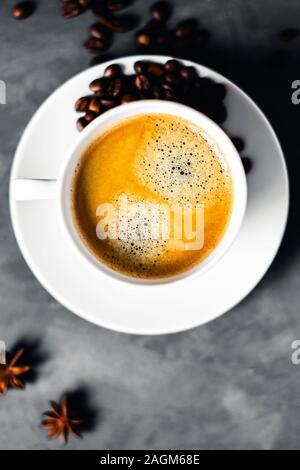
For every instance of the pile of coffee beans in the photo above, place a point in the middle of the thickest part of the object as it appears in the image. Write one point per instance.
(156, 32)
(170, 81)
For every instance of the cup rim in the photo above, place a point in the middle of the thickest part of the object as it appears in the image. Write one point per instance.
(137, 108)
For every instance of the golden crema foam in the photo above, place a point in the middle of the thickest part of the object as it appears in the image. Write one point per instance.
(156, 160)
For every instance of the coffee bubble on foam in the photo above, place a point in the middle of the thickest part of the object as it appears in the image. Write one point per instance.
(179, 165)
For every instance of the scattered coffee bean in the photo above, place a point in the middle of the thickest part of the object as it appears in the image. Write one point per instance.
(99, 86)
(81, 123)
(164, 38)
(95, 45)
(142, 82)
(140, 66)
(84, 3)
(115, 88)
(217, 112)
(155, 69)
(219, 91)
(168, 86)
(23, 10)
(173, 66)
(172, 78)
(94, 105)
(157, 93)
(71, 9)
(188, 73)
(117, 5)
(186, 28)
(90, 116)
(238, 143)
(128, 98)
(161, 11)
(247, 164)
(108, 103)
(143, 39)
(82, 104)
(289, 34)
(99, 31)
(113, 71)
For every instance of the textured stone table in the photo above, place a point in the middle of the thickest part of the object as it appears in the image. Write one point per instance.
(230, 384)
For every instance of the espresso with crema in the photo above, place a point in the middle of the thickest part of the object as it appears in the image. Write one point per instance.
(152, 196)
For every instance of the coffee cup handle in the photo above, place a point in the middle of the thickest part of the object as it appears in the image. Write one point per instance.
(33, 189)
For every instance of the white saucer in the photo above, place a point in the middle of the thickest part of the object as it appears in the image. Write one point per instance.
(155, 309)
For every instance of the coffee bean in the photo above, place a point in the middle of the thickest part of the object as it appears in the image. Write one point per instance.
(155, 69)
(115, 88)
(117, 5)
(140, 66)
(219, 91)
(188, 73)
(108, 103)
(206, 89)
(169, 92)
(99, 31)
(161, 11)
(173, 66)
(143, 39)
(217, 112)
(81, 123)
(142, 82)
(90, 116)
(84, 3)
(71, 9)
(82, 104)
(128, 98)
(120, 24)
(238, 143)
(163, 38)
(23, 10)
(95, 45)
(113, 71)
(94, 105)
(99, 86)
(247, 164)
(185, 28)
(157, 93)
(172, 78)
(168, 86)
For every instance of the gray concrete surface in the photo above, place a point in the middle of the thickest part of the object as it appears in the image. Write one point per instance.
(226, 385)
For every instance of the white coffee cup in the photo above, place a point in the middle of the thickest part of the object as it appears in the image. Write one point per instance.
(60, 189)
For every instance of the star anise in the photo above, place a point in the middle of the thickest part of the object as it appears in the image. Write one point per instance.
(58, 423)
(10, 373)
